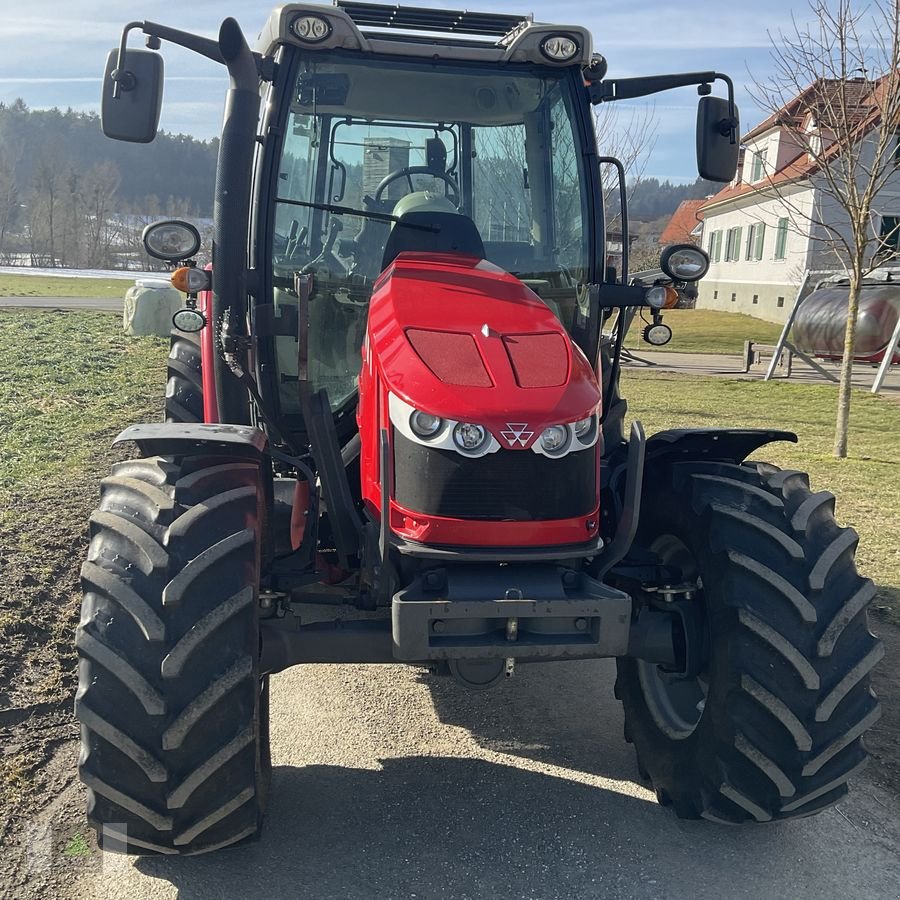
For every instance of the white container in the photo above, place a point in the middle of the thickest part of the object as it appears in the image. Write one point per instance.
(149, 306)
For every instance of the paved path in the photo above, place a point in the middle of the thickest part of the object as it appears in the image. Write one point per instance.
(733, 367)
(392, 784)
(103, 304)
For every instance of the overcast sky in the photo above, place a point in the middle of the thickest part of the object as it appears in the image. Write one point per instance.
(52, 53)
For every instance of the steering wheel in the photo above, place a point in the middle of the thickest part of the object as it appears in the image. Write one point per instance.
(408, 172)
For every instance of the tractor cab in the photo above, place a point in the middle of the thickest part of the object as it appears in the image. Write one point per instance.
(379, 155)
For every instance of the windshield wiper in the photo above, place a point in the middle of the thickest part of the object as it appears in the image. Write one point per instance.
(350, 211)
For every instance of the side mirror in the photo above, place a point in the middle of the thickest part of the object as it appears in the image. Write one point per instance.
(132, 96)
(717, 156)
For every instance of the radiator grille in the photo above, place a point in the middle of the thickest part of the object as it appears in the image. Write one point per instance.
(508, 485)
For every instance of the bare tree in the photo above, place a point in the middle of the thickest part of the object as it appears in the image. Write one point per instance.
(835, 91)
(9, 200)
(629, 135)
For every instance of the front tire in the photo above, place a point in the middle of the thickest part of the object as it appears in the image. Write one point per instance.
(184, 385)
(172, 707)
(771, 728)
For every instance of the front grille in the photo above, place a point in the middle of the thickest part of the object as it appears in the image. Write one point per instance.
(509, 485)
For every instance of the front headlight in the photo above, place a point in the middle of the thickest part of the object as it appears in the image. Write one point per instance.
(425, 425)
(583, 426)
(469, 437)
(555, 439)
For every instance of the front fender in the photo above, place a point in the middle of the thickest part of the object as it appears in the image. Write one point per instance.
(178, 439)
(715, 444)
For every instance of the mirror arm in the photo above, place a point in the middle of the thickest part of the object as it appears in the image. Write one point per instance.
(628, 88)
(208, 47)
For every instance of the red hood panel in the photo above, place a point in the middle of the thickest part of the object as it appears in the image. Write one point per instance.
(538, 360)
(524, 367)
(453, 357)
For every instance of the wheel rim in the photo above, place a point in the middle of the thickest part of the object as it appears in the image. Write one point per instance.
(676, 705)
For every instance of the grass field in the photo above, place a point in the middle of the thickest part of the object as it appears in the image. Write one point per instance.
(71, 381)
(707, 331)
(60, 286)
(866, 484)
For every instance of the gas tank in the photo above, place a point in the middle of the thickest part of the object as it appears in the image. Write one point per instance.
(822, 318)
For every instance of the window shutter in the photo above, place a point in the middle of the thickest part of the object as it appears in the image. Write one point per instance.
(760, 239)
(781, 239)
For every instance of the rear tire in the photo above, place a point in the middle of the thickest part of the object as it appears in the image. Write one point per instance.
(184, 386)
(772, 728)
(172, 707)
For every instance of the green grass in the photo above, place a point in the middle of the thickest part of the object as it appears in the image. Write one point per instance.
(54, 286)
(866, 484)
(69, 380)
(706, 331)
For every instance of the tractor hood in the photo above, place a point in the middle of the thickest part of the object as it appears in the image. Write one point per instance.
(458, 337)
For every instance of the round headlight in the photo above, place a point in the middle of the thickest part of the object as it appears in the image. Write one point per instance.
(656, 297)
(469, 437)
(559, 47)
(583, 426)
(425, 425)
(311, 29)
(171, 240)
(684, 262)
(554, 439)
(189, 320)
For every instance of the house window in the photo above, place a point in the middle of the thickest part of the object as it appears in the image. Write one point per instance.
(733, 244)
(755, 299)
(890, 236)
(718, 246)
(760, 241)
(733, 297)
(756, 237)
(715, 295)
(779, 302)
(758, 165)
(781, 238)
(715, 246)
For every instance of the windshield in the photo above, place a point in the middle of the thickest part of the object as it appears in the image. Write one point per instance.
(386, 138)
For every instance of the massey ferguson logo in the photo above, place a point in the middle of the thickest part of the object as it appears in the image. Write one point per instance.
(517, 433)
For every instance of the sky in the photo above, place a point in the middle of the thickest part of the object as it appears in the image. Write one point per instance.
(52, 53)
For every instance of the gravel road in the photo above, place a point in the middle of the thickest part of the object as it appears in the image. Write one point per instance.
(392, 784)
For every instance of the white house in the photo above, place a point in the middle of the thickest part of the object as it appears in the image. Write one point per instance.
(757, 230)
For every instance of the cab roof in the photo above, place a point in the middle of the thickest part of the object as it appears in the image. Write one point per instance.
(428, 33)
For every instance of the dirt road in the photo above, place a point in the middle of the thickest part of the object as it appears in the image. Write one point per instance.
(389, 784)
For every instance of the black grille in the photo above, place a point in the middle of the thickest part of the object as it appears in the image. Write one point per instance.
(509, 485)
(458, 21)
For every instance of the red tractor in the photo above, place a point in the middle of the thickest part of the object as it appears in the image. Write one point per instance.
(394, 434)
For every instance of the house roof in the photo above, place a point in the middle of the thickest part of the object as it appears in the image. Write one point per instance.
(864, 112)
(820, 94)
(684, 220)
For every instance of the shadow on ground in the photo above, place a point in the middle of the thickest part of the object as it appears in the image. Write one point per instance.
(561, 714)
(459, 828)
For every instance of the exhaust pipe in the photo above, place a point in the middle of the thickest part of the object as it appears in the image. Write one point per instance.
(231, 213)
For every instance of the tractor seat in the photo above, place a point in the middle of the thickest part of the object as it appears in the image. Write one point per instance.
(455, 233)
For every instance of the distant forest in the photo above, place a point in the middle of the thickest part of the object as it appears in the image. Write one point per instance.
(71, 197)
